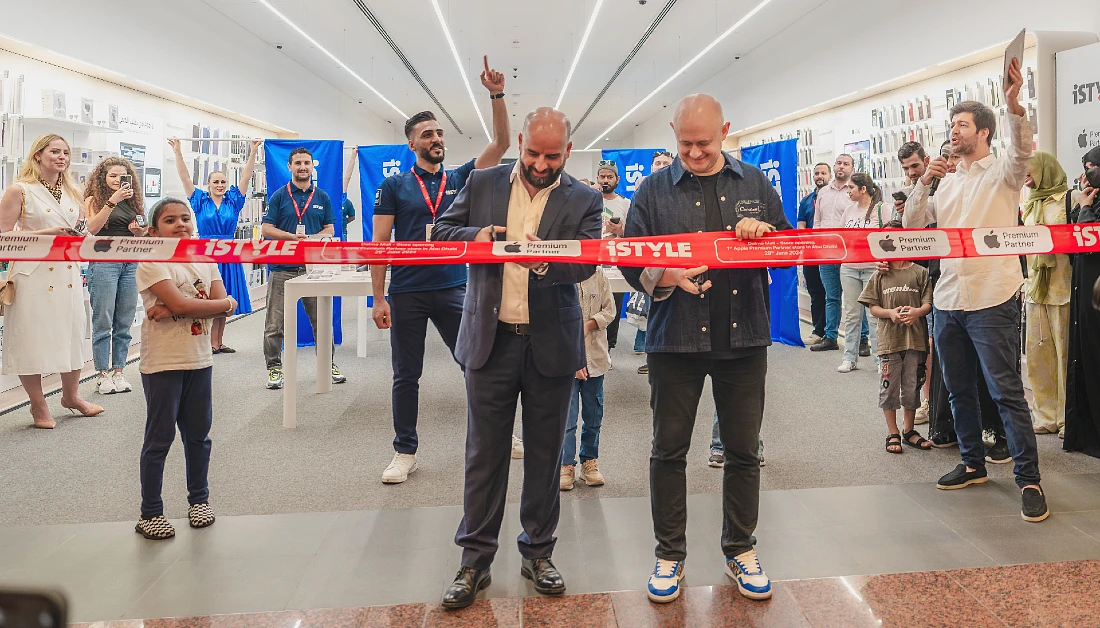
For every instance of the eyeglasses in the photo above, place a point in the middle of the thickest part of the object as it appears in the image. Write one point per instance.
(607, 163)
(662, 153)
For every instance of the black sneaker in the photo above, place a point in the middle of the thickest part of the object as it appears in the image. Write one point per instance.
(1034, 505)
(961, 478)
(998, 453)
(716, 460)
(827, 344)
(943, 441)
(864, 348)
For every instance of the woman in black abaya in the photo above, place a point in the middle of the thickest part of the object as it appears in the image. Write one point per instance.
(1083, 381)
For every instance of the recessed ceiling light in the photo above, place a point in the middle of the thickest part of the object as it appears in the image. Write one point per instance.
(340, 63)
(687, 65)
(577, 58)
(461, 70)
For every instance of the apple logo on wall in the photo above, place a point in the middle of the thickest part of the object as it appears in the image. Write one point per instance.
(887, 245)
(991, 241)
(102, 246)
(1083, 139)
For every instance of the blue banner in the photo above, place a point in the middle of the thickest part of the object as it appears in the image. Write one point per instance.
(328, 174)
(376, 163)
(779, 161)
(634, 164)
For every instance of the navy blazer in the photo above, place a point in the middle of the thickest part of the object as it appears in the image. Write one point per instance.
(573, 212)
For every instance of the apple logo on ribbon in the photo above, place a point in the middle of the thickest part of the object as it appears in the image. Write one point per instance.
(991, 241)
(102, 246)
(512, 247)
(887, 245)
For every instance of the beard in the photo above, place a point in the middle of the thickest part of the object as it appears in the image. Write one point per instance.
(607, 188)
(302, 177)
(964, 146)
(426, 154)
(540, 182)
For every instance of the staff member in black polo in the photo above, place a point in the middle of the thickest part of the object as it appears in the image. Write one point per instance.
(717, 327)
(295, 212)
(408, 204)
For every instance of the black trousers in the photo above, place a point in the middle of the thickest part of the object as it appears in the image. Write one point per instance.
(817, 298)
(492, 392)
(613, 326)
(676, 383)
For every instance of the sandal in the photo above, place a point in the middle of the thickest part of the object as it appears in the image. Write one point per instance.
(920, 443)
(893, 440)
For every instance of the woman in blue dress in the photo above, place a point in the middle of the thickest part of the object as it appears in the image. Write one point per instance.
(216, 213)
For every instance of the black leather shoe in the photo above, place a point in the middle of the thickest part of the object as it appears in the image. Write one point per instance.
(463, 590)
(544, 574)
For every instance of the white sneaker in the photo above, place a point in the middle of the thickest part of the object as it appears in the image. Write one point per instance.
(400, 468)
(664, 583)
(751, 580)
(105, 385)
(922, 413)
(121, 385)
(517, 447)
(846, 366)
(812, 340)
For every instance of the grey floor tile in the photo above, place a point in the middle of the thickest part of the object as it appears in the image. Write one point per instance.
(116, 543)
(1071, 493)
(1086, 522)
(216, 586)
(799, 554)
(996, 498)
(613, 518)
(256, 536)
(99, 592)
(30, 544)
(566, 532)
(898, 547)
(861, 504)
(619, 564)
(1011, 540)
(406, 528)
(784, 510)
(372, 576)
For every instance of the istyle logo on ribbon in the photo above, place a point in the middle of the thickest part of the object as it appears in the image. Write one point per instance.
(1012, 241)
(651, 250)
(14, 246)
(901, 244)
(102, 249)
(1085, 235)
(544, 248)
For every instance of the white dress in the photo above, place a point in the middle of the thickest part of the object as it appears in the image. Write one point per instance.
(44, 328)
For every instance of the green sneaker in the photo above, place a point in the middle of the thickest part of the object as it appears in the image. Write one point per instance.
(275, 379)
(337, 377)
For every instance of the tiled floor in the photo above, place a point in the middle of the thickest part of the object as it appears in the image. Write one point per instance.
(1054, 594)
(256, 564)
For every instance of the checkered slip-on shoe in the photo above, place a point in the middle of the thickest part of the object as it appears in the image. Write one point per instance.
(200, 515)
(155, 529)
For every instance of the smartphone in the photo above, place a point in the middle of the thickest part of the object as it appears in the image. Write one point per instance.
(140, 220)
(900, 196)
(80, 228)
(616, 220)
(24, 608)
(126, 181)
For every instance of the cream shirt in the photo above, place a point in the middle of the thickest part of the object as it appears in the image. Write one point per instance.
(832, 203)
(524, 216)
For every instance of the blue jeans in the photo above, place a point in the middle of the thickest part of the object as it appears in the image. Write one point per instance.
(176, 399)
(716, 440)
(830, 278)
(114, 295)
(855, 314)
(587, 401)
(639, 341)
(987, 338)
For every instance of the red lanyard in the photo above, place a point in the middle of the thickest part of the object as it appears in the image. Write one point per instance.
(428, 199)
(299, 210)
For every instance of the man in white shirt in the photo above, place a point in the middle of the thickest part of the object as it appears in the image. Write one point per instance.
(977, 311)
(832, 202)
(615, 208)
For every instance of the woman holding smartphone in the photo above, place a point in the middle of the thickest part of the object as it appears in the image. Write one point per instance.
(113, 208)
(217, 210)
(44, 327)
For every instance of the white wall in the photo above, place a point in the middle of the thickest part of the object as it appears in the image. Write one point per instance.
(846, 45)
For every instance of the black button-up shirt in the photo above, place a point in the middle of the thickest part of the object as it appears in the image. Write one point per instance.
(670, 202)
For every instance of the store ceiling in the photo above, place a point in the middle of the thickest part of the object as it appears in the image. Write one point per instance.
(532, 43)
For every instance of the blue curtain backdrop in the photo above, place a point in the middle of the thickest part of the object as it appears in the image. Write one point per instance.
(377, 163)
(633, 165)
(779, 161)
(328, 161)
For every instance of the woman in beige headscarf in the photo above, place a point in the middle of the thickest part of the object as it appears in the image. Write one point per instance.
(1046, 298)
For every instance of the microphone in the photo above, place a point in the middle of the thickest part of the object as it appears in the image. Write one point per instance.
(935, 185)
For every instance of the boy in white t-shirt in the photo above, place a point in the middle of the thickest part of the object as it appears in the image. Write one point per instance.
(176, 369)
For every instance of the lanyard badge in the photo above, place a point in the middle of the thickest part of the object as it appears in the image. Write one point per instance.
(298, 210)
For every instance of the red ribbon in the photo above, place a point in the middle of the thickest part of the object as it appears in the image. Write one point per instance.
(716, 250)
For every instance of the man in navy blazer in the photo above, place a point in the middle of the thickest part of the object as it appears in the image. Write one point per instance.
(521, 338)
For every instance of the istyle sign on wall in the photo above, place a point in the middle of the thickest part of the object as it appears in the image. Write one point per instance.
(1078, 105)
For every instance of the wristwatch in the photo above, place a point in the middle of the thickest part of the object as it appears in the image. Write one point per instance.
(495, 96)
(541, 269)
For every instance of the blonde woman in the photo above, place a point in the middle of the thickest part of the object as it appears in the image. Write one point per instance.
(44, 328)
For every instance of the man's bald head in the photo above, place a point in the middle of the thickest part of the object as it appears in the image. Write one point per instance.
(544, 146)
(700, 129)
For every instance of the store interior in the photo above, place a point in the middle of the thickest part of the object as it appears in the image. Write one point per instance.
(306, 533)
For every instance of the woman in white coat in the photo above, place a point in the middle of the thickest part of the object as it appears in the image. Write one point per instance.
(44, 328)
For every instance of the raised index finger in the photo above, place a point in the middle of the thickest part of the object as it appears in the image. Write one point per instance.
(486, 59)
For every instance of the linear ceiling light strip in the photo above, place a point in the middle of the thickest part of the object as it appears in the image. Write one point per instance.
(580, 49)
(404, 60)
(687, 65)
(340, 63)
(461, 70)
(622, 66)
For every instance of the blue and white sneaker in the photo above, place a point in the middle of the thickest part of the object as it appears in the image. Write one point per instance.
(664, 584)
(751, 580)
